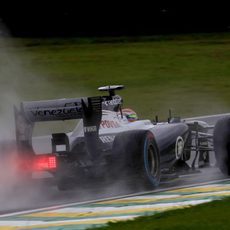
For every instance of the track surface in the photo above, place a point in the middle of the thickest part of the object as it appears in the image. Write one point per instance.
(40, 196)
(84, 215)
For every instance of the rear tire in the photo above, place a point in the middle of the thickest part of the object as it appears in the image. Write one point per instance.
(65, 184)
(135, 154)
(221, 140)
(64, 177)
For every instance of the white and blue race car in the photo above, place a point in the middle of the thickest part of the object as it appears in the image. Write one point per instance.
(111, 143)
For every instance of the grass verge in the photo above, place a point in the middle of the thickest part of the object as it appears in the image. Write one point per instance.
(189, 74)
(214, 215)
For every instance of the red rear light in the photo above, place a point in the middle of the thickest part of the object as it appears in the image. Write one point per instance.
(45, 162)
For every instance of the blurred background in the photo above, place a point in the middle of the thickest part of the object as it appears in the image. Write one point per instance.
(113, 18)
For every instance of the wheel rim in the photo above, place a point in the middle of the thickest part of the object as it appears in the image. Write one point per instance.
(152, 162)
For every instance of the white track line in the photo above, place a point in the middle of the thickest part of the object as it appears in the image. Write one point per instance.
(207, 116)
(42, 224)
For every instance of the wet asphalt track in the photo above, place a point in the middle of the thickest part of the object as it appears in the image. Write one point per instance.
(46, 195)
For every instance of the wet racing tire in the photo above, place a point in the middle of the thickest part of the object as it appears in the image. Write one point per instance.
(65, 178)
(136, 155)
(221, 141)
(65, 184)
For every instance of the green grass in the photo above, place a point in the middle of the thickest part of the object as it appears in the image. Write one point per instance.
(189, 74)
(214, 215)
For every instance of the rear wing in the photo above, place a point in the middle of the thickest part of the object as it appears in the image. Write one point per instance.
(60, 109)
(50, 110)
(89, 109)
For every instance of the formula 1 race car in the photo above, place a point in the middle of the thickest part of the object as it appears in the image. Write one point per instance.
(110, 144)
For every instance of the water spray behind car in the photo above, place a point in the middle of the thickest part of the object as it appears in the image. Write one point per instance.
(13, 76)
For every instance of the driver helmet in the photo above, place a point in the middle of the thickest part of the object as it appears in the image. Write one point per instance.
(130, 114)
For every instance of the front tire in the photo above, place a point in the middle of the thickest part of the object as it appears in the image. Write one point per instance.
(221, 140)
